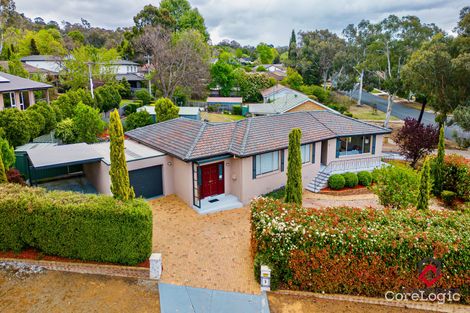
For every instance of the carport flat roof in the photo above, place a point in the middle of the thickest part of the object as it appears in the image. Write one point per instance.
(134, 151)
(58, 156)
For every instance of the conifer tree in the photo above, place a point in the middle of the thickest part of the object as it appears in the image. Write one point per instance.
(292, 52)
(294, 168)
(439, 164)
(425, 186)
(120, 183)
(3, 175)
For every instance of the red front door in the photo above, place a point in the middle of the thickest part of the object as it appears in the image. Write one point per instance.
(212, 176)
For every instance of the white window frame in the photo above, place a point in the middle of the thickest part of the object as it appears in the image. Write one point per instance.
(273, 167)
(307, 148)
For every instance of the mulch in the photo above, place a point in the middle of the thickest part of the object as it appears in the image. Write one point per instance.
(32, 254)
(358, 190)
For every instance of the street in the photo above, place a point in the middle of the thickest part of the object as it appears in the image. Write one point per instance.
(401, 111)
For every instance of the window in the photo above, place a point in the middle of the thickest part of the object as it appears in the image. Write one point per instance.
(354, 145)
(306, 151)
(267, 162)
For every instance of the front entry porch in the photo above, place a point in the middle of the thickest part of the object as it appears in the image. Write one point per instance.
(209, 193)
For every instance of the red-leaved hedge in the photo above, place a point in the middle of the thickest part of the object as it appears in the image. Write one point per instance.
(358, 251)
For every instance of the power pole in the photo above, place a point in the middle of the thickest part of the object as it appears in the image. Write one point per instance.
(91, 79)
(148, 57)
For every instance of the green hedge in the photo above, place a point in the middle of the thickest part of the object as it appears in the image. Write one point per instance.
(350, 179)
(336, 181)
(359, 251)
(364, 178)
(88, 227)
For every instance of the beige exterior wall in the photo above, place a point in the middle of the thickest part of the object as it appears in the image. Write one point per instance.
(307, 106)
(98, 173)
(183, 180)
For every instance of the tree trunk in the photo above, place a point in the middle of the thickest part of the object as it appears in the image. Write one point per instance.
(421, 113)
(361, 81)
(389, 110)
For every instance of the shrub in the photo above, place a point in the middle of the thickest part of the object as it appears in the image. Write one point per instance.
(359, 251)
(68, 101)
(47, 111)
(350, 179)
(14, 123)
(124, 88)
(279, 193)
(107, 97)
(65, 131)
(448, 197)
(294, 168)
(87, 227)
(144, 96)
(425, 186)
(364, 178)
(7, 153)
(396, 186)
(36, 123)
(336, 181)
(14, 177)
(131, 107)
(87, 123)
(347, 113)
(237, 110)
(165, 110)
(322, 95)
(456, 176)
(138, 119)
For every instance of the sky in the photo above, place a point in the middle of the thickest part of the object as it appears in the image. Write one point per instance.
(253, 21)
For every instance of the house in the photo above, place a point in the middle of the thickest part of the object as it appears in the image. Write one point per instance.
(51, 63)
(18, 92)
(280, 99)
(217, 166)
(276, 71)
(224, 103)
(192, 113)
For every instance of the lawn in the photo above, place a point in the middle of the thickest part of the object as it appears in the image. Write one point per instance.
(125, 102)
(220, 118)
(368, 113)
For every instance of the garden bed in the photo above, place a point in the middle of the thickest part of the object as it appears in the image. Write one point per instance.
(358, 190)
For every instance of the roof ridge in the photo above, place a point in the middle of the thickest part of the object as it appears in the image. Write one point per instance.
(315, 118)
(237, 124)
(196, 140)
(245, 137)
(363, 122)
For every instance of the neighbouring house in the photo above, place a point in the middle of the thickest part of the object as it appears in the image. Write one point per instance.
(51, 63)
(18, 92)
(224, 103)
(280, 99)
(193, 113)
(217, 166)
(128, 70)
(276, 71)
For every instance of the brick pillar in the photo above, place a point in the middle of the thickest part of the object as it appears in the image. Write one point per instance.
(16, 94)
(31, 98)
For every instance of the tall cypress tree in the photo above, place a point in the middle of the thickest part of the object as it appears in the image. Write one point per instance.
(294, 168)
(439, 164)
(120, 183)
(3, 175)
(33, 47)
(425, 186)
(292, 52)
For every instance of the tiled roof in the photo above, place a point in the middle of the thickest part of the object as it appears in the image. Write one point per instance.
(190, 140)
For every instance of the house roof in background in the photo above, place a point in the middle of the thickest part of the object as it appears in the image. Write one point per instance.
(191, 140)
(272, 90)
(130, 77)
(283, 103)
(183, 110)
(123, 62)
(224, 100)
(50, 58)
(15, 83)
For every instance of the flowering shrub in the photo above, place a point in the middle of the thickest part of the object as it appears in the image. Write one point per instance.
(456, 176)
(358, 251)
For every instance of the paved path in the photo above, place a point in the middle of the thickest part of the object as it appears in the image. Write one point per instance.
(180, 299)
(402, 111)
(205, 251)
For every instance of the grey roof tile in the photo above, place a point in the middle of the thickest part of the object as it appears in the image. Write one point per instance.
(189, 139)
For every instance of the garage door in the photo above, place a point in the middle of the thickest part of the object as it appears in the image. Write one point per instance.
(147, 182)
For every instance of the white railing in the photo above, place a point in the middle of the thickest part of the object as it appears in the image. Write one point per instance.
(350, 165)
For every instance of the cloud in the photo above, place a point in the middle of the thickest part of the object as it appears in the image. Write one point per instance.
(253, 21)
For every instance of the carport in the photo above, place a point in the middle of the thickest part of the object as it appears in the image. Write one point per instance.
(59, 162)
